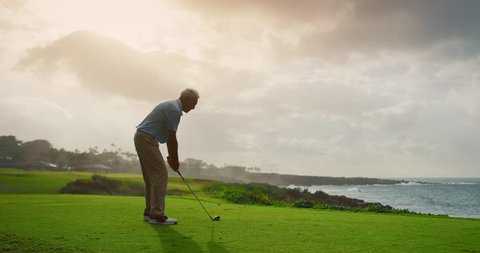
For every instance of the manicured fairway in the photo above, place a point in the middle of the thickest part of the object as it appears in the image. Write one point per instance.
(65, 223)
(20, 181)
(35, 218)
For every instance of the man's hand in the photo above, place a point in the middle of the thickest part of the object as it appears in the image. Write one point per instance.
(174, 164)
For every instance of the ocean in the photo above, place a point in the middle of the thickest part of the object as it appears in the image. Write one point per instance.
(455, 197)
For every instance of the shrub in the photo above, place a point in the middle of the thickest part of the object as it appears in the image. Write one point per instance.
(103, 186)
(265, 194)
(301, 203)
(240, 194)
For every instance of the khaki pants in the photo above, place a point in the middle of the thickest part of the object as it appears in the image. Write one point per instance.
(155, 173)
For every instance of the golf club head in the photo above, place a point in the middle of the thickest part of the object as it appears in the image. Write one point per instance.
(216, 218)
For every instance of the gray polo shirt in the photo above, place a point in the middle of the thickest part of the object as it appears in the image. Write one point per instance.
(165, 116)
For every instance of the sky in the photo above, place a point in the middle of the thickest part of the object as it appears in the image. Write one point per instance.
(369, 88)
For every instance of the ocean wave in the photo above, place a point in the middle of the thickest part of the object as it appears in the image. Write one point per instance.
(462, 183)
(335, 190)
(410, 183)
(353, 189)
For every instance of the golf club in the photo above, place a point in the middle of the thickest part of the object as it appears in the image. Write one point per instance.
(214, 218)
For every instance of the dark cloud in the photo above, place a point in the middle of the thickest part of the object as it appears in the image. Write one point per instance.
(403, 25)
(364, 26)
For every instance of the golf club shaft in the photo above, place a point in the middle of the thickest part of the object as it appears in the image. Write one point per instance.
(194, 195)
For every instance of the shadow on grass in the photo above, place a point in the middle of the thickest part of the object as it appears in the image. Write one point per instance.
(212, 245)
(173, 241)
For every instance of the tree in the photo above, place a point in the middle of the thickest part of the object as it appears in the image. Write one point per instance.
(194, 163)
(36, 150)
(9, 148)
(59, 157)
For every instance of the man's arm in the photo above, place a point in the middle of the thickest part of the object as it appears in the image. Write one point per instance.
(172, 146)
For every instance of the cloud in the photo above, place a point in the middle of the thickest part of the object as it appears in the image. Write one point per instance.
(398, 116)
(247, 141)
(9, 18)
(405, 145)
(6, 25)
(333, 96)
(108, 66)
(11, 4)
(24, 114)
(330, 146)
(336, 29)
(467, 96)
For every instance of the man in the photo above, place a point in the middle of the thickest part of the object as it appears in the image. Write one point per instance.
(160, 126)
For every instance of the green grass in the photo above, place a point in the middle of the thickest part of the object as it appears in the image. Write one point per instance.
(90, 223)
(21, 181)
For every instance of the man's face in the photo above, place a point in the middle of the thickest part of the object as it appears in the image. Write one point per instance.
(189, 104)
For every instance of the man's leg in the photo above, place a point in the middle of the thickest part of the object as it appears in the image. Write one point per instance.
(156, 173)
(158, 177)
(138, 139)
(146, 211)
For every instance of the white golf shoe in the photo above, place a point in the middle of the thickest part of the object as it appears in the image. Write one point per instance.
(164, 221)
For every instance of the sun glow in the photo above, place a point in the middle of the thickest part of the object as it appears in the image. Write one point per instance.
(143, 25)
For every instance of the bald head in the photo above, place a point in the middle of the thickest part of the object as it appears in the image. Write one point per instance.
(189, 98)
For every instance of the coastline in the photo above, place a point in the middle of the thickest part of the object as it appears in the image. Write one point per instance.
(450, 196)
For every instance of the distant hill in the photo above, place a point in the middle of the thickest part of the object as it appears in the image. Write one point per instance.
(285, 180)
(238, 174)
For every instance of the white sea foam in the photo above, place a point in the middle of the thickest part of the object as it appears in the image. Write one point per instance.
(410, 183)
(353, 189)
(462, 183)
